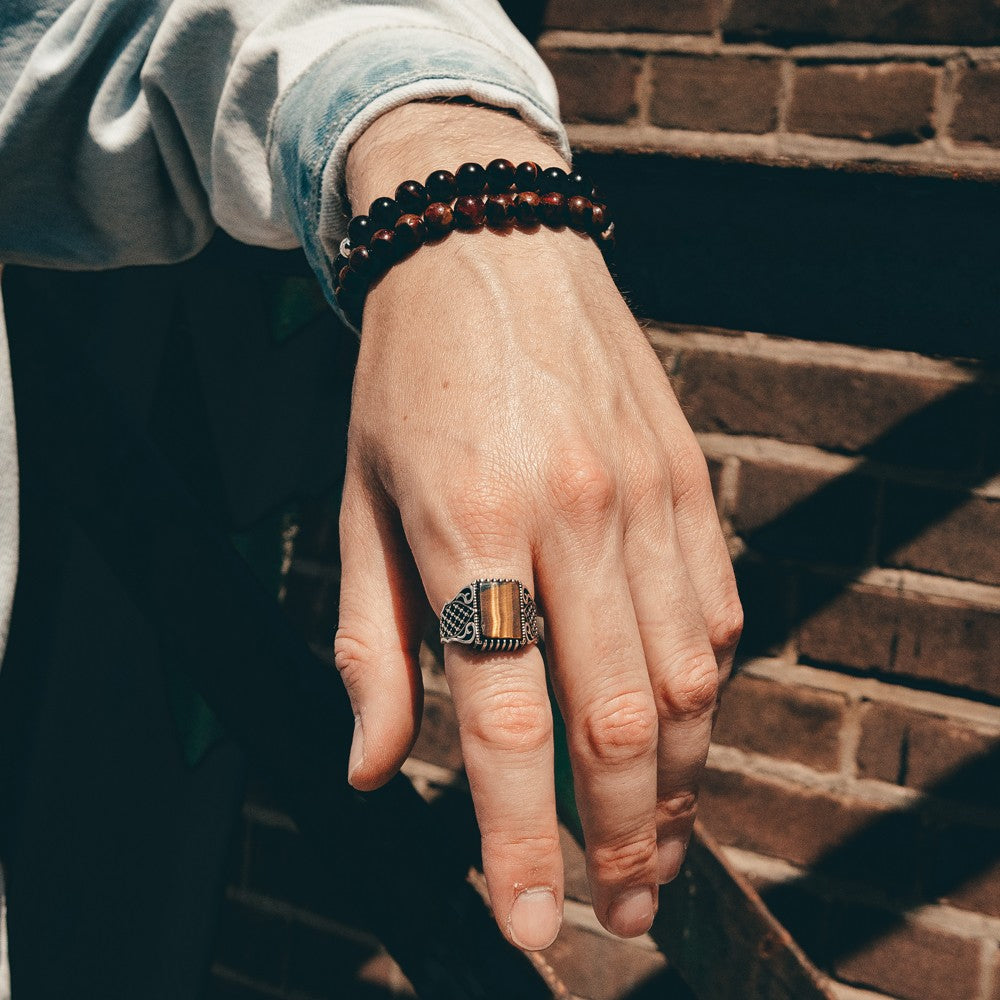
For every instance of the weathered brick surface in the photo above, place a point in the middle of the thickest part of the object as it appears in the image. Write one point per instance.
(959, 21)
(595, 86)
(596, 967)
(890, 103)
(977, 113)
(931, 638)
(963, 867)
(912, 420)
(438, 741)
(805, 513)
(720, 94)
(765, 592)
(812, 828)
(942, 531)
(784, 721)
(931, 753)
(633, 15)
(906, 960)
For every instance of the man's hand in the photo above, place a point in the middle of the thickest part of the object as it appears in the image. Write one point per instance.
(509, 419)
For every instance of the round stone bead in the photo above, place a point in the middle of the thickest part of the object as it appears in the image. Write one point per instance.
(382, 247)
(579, 211)
(470, 178)
(359, 229)
(500, 210)
(439, 219)
(384, 212)
(576, 183)
(600, 218)
(350, 281)
(362, 262)
(552, 209)
(469, 212)
(339, 263)
(553, 180)
(499, 175)
(412, 197)
(526, 175)
(410, 232)
(526, 208)
(441, 185)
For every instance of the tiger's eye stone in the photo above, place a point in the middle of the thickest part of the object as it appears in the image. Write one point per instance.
(552, 210)
(470, 178)
(499, 175)
(500, 211)
(599, 218)
(439, 219)
(412, 197)
(441, 185)
(580, 212)
(410, 232)
(526, 208)
(553, 180)
(382, 247)
(384, 212)
(350, 281)
(576, 183)
(526, 175)
(362, 262)
(359, 229)
(500, 610)
(469, 212)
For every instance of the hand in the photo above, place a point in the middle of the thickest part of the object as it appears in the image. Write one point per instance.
(509, 419)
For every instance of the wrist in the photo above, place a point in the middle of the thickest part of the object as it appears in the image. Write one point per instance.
(417, 138)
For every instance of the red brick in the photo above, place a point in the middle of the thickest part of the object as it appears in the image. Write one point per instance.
(942, 531)
(977, 114)
(438, 741)
(715, 94)
(840, 836)
(684, 16)
(886, 102)
(594, 86)
(765, 592)
(804, 513)
(931, 638)
(785, 721)
(964, 867)
(715, 468)
(905, 419)
(907, 960)
(881, 749)
(598, 967)
(783, 21)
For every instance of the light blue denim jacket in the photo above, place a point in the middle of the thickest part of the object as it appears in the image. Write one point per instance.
(130, 129)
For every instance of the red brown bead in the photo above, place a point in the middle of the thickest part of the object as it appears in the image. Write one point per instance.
(410, 232)
(362, 262)
(350, 281)
(552, 209)
(439, 219)
(469, 212)
(580, 211)
(526, 208)
(526, 175)
(499, 211)
(382, 247)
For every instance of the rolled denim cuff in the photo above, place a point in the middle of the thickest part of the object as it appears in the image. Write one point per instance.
(340, 95)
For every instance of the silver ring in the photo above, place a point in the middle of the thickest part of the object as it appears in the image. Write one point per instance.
(491, 616)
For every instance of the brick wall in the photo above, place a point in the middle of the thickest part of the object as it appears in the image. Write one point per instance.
(854, 771)
(911, 84)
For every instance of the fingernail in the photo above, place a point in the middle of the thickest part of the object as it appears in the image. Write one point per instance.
(631, 914)
(357, 756)
(669, 858)
(534, 919)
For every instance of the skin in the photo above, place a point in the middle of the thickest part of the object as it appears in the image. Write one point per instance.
(509, 419)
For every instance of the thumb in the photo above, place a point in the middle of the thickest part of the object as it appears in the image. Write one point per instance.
(382, 606)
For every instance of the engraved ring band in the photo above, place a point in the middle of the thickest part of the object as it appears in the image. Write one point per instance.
(491, 616)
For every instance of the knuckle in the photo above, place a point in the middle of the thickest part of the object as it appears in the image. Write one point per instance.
(581, 486)
(625, 861)
(352, 657)
(515, 845)
(679, 806)
(512, 723)
(622, 730)
(692, 691)
(726, 627)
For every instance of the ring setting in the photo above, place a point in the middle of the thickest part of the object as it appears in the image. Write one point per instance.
(491, 616)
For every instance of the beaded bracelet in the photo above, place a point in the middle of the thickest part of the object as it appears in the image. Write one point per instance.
(498, 196)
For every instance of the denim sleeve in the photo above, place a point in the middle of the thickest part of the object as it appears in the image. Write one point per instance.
(130, 129)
